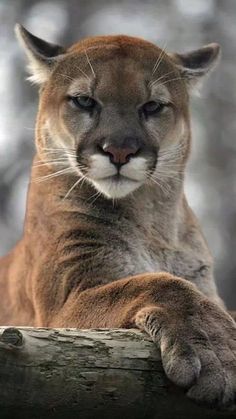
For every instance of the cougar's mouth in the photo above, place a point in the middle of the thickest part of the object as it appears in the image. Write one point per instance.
(116, 186)
(118, 177)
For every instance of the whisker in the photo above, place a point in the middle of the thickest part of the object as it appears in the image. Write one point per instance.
(159, 59)
(57, 149)
(57, 155)
(164, 177)
(153, 83)
(173, 174)
(83, 181)
(82, 72)
(163, 188)
(170, 164)
(170, 160)
(45, 163)
(52, 175)
(166, 164)
(74, 186)
(168, 81)
(92, 196)
(96, 195)
(173, 146)
(90, 65)
(66, 76)
(169, 169)
(171, 150)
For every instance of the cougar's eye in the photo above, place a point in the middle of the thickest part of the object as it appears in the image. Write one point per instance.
(152, 107)
(83, 102)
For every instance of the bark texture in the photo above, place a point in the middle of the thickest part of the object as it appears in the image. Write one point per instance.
(70, 373)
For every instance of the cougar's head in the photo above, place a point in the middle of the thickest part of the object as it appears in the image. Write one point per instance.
(114, 109)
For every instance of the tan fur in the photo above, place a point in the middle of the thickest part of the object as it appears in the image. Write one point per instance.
(139, 261)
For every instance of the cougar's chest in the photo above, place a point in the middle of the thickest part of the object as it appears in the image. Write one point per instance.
(179, 260)
(145, 260)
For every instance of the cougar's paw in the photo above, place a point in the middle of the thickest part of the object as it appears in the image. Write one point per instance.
(198, 349)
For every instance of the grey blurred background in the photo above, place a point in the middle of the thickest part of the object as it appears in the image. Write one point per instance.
(182, 25)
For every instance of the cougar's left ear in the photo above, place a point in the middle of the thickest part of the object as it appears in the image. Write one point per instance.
(195, 65)
(42, 55)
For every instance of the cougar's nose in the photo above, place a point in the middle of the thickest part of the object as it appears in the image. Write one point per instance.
(120, 154)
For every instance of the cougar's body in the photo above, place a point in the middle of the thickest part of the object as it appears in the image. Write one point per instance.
(109, 239)
(78, 244)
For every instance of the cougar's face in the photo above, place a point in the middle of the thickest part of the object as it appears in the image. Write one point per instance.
(115, 108)
(118, 112)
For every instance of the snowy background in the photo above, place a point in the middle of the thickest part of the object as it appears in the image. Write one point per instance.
(182, 25)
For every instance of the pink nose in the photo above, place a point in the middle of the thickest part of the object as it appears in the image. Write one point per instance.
(120, 155)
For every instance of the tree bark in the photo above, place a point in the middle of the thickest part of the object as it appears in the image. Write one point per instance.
(70, 373)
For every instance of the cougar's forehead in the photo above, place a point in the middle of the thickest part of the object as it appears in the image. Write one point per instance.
(118, 74)
(120, 79)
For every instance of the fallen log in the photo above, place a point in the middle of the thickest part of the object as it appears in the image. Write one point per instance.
(71, 373)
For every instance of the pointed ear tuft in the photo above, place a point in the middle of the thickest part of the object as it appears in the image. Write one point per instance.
(195, 65)
(42, 55)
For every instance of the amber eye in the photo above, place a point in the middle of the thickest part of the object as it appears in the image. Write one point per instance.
(152, 107)
(86, 103)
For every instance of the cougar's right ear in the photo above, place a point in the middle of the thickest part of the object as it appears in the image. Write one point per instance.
(42, 55)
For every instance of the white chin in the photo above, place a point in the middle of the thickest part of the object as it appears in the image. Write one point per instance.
(116, 188)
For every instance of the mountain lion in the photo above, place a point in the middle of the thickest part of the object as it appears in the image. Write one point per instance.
(109, 239)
